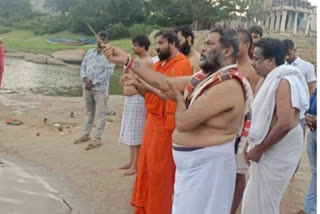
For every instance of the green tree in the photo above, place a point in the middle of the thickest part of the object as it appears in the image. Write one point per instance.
(256, 11)
(102, 13)
(60, 5)
(18, 8)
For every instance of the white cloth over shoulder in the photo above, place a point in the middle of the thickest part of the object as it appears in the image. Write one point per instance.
(264, 103)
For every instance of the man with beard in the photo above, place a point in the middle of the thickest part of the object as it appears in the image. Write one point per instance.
(95, 72)
(209, 117)
(153, 188)
(186, 39)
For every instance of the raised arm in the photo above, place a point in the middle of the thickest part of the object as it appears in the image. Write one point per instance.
(155, 79)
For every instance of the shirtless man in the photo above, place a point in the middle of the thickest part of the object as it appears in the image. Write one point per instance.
(256, 33)
(244, 62)
(153, 189)
(133, 116)
(207, 123)
(186, 39)
(245, 68)
(276, 137)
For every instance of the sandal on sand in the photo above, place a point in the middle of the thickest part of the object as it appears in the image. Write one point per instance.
(94, 144)
(82, 139)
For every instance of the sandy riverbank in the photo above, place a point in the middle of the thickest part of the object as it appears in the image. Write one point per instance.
(93, 173)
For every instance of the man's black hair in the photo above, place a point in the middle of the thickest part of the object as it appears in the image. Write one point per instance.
(185, 31)
(142, 41)
(288, 45)
(170, 35)
(103, 34)
(247, 37)
(256, 29)
(228, 38)
(272, 48)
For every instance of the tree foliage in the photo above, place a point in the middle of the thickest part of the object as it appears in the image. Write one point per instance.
(117, 16)
(9, 8)
(60, 5)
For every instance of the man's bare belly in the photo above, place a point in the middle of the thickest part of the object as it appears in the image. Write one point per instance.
(218, 130)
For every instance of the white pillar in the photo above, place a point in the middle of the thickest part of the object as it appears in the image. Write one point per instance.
(273, 16)
(267, 24)
(277, 27)
(308, 24)
(290, 16)
(295, 23)
(283, 21)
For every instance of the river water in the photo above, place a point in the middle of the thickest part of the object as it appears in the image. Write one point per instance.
(23, 77)
(29, 189)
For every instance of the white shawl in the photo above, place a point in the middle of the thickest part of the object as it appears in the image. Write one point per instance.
(264, 103)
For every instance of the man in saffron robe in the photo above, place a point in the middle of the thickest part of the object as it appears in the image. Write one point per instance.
(153, 190)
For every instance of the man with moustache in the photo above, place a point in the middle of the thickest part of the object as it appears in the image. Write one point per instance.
(95, 72)
(153, 188)
(186, 39)
(276, 137)
(209, 117)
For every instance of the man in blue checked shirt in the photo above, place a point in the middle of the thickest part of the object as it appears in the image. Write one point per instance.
(95, 72)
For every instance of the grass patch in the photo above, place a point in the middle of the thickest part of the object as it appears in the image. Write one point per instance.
(26, 41)
(115, 87)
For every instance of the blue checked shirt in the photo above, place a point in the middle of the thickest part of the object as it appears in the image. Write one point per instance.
(98, 69)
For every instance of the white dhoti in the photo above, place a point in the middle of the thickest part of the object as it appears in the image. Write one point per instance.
(270, 177)
(205, 179)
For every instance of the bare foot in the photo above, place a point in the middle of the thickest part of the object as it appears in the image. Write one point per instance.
(127, 166)
(131, 171)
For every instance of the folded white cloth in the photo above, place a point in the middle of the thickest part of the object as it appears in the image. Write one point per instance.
(264, 103)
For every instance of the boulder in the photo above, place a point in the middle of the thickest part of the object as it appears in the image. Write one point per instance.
(16, 54)
(72, 56)
(53, 61)
(38, 58)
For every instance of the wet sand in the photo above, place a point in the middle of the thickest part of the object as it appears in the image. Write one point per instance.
(93, 174)
(29, 189)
